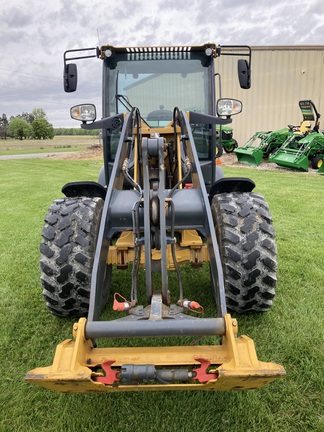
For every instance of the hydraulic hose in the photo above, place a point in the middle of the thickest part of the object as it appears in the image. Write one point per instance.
(173, 252)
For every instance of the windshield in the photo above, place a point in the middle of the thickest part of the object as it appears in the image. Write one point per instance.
(156, 87)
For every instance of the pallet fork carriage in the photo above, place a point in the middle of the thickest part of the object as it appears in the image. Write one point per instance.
(159, 203)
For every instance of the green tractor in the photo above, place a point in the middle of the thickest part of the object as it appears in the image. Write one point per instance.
(263, 144)
(302, 147)
(224, 137)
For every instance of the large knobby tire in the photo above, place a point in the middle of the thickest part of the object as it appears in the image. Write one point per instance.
(67, 248)
(248, 250)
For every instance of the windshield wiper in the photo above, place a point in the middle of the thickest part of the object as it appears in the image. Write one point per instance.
(125, 102)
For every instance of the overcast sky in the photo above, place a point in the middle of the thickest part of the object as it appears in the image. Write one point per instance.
(35, 34)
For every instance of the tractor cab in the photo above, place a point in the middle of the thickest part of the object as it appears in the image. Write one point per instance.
(158, 80)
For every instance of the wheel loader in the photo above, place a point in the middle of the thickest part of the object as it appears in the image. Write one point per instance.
(160, 205)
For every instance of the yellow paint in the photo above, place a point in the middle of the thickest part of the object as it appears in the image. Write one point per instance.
(191, 249)
(235, 363)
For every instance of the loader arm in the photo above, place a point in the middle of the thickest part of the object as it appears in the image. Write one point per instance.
(110, 222)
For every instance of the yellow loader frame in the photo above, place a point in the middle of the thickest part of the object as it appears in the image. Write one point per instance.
(233, 365)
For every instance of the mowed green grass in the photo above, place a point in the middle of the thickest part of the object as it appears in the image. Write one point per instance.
(57, 144)
(291, 334)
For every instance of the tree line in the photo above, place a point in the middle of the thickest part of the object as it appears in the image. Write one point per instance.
(34, 125)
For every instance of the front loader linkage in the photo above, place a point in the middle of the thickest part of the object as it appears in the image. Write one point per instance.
(78, 367)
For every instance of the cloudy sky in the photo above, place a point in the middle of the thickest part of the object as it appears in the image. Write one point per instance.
(34, 35)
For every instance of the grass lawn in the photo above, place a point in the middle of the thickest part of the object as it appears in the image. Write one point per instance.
(57, 144)
(291, 334)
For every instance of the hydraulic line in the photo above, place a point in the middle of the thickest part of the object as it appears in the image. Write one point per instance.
(129, 178)
(137, 249)
(135, 121)
(173, 252)
(177, 119)
(184, 178)
(171, 161)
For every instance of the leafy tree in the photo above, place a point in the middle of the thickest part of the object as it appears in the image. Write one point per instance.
(38, 113)
(29, 118)
(19, 128)
(75, 131)
(4, 124)
(42, 129)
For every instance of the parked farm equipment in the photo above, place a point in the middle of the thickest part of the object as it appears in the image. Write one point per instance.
(160, 202)
(224, 136)
(263, 144)
(260, 146)
(302, 148)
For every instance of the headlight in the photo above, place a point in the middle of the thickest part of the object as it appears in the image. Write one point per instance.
(84, 113)
(228, 107)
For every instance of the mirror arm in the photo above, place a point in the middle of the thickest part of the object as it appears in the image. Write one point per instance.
(105, 123)
(199, 118)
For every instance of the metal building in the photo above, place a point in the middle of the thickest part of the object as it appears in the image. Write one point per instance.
(281, 76)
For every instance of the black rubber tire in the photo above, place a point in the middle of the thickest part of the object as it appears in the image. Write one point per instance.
(248, 250)
(317, 162)
(231, 148)
(67, 248)
(219, 149)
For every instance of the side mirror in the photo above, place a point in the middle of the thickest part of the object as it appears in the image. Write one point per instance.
(70, 77)
(244, 74)
(228, 107)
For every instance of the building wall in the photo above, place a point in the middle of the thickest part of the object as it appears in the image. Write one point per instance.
(281, 76)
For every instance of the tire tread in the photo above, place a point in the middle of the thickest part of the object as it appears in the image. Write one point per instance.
(246, 238)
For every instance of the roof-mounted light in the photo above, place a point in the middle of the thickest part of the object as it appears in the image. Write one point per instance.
(108, 53)
(209, 51)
